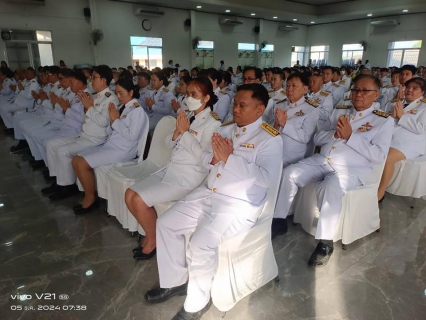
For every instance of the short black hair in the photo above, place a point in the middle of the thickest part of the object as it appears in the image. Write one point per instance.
(214, 74)
(185, 72)
(304, 78)
(127, 84)
(7, 72)
(239, 68)
(327, 68)
(375, 80)
(384, 69)
(259, 92)
(409, 67)
(420, 81)
(186, 79)
(65, 72)
(104, 72)
(257, 72)
(126, 74)
(226, 76)
(54, 69)
(145, 75)
(79, 75)
(162, 77)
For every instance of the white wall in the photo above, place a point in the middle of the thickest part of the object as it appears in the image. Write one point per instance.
(412, 27)
(64, 18)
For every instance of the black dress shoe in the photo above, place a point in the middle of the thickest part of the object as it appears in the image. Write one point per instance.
(64, 192)
(81, 210)
(49, 190)
(22, 145)
(381, 200)
(9, 131)
(38, 164)
(279, 226)
(321, 255)
(184, 315)
(77, 207)
(144, 256)
(159, 295)
(137, 249)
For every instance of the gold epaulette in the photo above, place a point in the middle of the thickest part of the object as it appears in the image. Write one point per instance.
(227, 123)
(323, 93)
(271, 90)
(389, 86)
(423, 100)
(149, 88)
(270, 129)
(284, 92)
(222, 92)
(381, 113)
(59, 86)
(214, 115)
(344, 106)
(312, 103)
(135, 104)
(395, 100)
(336, 85)
(165, 90)
(342, 82)
(107, 94)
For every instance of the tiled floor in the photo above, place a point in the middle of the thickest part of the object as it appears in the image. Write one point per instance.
(45, 248)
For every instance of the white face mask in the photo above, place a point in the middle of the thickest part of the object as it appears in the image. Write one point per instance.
(192, 103)
(342, 73)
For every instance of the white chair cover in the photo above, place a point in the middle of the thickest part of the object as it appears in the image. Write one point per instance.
(124, 175)
(360, 210)
(409, 178)
(247, 262)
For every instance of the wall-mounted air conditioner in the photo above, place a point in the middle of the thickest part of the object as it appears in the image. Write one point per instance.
(231, 22)
(287, 27)
(145, 11)
(384, 23)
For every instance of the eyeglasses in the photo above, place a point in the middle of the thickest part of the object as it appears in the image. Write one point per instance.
(362, 91)
(93, 77)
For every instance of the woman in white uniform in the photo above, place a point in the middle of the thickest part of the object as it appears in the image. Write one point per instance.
(160, 103)
(409, 135)
(221, 107)
(127, 123)
(6, 79)
(184, 172)
(179, 103)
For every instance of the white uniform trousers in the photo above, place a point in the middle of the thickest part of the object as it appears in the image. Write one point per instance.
(7, 111)
(41, 135)
(331, 190)
(30, 135)
(65, 174)
(210, 229)
(18, 118)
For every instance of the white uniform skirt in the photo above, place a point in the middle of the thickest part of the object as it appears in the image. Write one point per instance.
(407, 149)
(153, 191)
(103, 155)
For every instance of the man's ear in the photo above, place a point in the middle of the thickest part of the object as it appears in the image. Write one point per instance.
(260, 109)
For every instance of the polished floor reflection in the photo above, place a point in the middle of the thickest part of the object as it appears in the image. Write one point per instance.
(46, 249)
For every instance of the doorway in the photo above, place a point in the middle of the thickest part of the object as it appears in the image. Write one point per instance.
(147, 52)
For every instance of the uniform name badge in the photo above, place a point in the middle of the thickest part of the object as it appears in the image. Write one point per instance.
(195, 133)
(247, 145)
(413, 111)
(300, 113)
(365, 127)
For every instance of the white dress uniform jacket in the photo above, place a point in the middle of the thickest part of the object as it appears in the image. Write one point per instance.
(302, 119)
(122, 144)
(7, 94)
(409, 135)
(340, 166)
(276, 98)
(324, 100)
(184, 172)
(335, 90)
(388, 94)
(162, 106)
(144, 93)
(221, 107)
(386, 81)
(225, 205)
(346, 82)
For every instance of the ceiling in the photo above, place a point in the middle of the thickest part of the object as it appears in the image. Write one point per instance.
(307, 12)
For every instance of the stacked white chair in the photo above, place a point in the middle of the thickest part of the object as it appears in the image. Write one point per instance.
(123, 176)
(247, 262)
(360, 209)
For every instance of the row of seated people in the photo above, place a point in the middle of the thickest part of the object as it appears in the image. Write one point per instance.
(217, 171)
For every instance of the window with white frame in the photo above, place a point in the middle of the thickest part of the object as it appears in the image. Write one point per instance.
(403, 52)
(246, 54)
(351, 54)
(204, 54)
(297, 53)
(267, 56)
(147, 52)
(319, 55)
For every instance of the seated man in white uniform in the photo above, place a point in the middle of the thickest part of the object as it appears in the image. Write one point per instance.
(322, 98)
(6, 80)
(385, 80)
(389, 93)
(358, 137)
(277, 96)
(24, 101)
(329, 86)
(243, 158)
(96, 129)
(43, 108)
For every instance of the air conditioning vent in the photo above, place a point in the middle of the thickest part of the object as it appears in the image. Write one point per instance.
(148, 11)
(384, 23)
(231, 22)
(287, 27)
